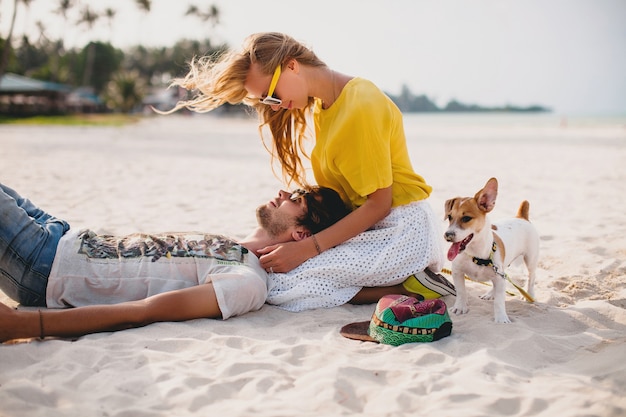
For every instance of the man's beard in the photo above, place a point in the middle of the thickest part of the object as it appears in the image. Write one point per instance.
(272, 222)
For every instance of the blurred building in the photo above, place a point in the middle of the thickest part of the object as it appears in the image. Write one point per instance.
(24, 96)
(21, 95)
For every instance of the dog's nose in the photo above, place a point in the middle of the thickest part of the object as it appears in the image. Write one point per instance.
(449, 236)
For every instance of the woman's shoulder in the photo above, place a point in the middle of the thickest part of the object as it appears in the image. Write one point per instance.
(358, 83)
(364, 88)
(364, 93)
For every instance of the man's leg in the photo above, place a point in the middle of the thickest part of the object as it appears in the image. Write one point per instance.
(28, 243)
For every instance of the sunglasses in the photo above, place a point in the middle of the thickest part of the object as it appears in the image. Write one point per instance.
(298, 194)
(269, 100)
(314, 209)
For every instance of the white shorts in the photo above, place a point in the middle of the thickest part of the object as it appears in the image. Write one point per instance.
(241, 292)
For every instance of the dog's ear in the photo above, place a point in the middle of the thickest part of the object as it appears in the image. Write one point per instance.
(486, 198)
(448, 206)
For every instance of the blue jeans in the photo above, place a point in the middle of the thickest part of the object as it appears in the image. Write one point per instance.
(28, 243)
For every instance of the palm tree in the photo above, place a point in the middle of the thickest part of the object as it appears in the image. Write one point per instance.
(89, 18)
(6, 50)
(125, 91)
(212, 14)
(110, 15)
(144, 4)
(64, 7)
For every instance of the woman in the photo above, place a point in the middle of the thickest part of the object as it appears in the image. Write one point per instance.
(360, 151)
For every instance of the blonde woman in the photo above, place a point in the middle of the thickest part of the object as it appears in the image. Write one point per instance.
(360, 151)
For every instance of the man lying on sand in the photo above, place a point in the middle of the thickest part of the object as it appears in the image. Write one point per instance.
(116, 283)
(132, 281)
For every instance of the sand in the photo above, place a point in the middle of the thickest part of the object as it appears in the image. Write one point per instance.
(564, 355)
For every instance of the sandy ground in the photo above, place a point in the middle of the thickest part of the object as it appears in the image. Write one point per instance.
(564, 355)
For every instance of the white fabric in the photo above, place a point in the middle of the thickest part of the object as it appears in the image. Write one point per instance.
(99, 272)
(405, 242)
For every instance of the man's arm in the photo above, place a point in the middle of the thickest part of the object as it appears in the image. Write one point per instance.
(186, 304)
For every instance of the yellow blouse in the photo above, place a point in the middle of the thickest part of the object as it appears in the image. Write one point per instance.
(360, 147)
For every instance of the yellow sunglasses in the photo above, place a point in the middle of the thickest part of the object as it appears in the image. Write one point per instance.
(269, 100)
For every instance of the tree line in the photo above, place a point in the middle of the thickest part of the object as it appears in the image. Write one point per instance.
(120, 77)
(410, 103)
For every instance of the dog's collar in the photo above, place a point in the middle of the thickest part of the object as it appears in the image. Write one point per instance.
(489, 262)
(486, 262)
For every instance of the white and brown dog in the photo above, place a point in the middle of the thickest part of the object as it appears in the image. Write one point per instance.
(487, 250)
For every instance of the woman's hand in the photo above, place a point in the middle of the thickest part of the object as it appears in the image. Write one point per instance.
(286, 256)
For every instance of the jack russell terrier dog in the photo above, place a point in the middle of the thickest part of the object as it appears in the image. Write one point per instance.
(485, 249)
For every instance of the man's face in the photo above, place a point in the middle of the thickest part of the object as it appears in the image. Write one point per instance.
(280, 214)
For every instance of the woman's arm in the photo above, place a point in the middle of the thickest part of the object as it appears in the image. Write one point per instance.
(186, 304)
(287, 256)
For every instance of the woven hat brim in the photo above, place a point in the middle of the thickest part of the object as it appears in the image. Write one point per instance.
(357, 331)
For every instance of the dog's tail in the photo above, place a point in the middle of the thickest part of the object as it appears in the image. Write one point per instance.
(523, 211)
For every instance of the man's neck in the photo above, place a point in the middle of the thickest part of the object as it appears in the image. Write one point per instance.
(258, 239)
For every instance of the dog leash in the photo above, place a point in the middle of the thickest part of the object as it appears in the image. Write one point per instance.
(527, 296)
(520, 289)
(504, 275)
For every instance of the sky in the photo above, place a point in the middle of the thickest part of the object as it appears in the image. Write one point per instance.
(568, 55)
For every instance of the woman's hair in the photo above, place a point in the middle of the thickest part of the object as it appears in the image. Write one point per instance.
(220, 79)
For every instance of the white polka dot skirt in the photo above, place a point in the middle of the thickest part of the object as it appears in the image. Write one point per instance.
(407, 241)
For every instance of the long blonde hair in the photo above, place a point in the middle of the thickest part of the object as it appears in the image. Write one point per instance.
(216, 80)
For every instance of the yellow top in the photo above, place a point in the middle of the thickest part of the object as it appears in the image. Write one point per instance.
(360, 147)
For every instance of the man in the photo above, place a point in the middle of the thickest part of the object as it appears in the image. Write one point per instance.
(123, 282)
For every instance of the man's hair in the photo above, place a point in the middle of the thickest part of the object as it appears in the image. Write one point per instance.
(324, 208)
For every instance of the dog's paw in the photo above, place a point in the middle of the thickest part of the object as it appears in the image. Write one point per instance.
(503, 318)
(459, 309)
(487, 296)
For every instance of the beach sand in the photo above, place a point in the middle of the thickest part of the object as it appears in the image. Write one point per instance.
(564, 355)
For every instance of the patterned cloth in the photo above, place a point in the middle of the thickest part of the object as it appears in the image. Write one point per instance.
(405, 242)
